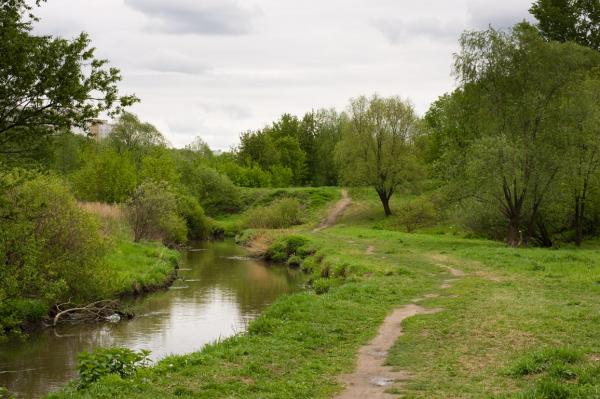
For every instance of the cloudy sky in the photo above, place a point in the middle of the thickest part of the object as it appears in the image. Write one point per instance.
(214, 68)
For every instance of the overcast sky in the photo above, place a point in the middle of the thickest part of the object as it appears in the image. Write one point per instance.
(214, 68)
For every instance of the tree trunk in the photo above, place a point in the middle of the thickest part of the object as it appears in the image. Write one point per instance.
(578, 222)
(385, 201)
(513, 237)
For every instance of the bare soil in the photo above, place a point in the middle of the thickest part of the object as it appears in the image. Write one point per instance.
(335, 212)
(372, 378)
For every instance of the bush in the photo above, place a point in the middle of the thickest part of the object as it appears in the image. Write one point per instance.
(107, 177)
(417, 213)
(153, 215)
(50, 249)
(287, 247)
(198, 225)
(215, 192)
(103, 362)
(280, 214)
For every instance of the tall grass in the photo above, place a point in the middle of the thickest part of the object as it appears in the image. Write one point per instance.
(282, 213)
(102, 210)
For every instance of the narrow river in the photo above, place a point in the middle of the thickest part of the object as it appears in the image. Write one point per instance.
(219, 291)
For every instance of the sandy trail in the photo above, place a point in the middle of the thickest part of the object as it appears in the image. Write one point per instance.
(372, 378)
(337, 210)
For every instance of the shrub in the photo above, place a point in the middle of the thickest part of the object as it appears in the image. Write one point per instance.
(215, 192)
(198, 225)
(159, 166)
(50, 249)
(103, 362)
(107, 177)
(417, 213)
(153, 215)
(286, 247)
(280, 214)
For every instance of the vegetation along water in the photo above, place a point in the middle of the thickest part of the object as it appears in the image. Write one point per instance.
(373, 251)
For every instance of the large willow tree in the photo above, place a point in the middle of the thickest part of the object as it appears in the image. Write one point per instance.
(376, 148)
(512, 148)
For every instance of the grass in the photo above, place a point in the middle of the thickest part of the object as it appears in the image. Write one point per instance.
(520, 323)
(313, 205)
(138, 267)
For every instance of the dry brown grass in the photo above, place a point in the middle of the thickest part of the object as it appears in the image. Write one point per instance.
(102, 210)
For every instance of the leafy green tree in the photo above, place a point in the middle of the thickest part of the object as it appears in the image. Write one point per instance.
(328, 132)
(48, 84)
(376, 150)
(106, 177)
(513, 83)
(153, 214)
(257, 148)
(199, 146)
(130, 135)
(158, 166)
(569, 20)
(50, 249)
(581, 127)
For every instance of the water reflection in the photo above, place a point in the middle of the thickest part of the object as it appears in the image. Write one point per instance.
(218, 292)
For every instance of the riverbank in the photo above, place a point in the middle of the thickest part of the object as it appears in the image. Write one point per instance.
(499, 308)
(129, 269)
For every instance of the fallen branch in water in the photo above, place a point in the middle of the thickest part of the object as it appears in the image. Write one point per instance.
(95, 311)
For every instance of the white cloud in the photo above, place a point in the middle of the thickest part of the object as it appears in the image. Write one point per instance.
(218, 67)
(208, 17)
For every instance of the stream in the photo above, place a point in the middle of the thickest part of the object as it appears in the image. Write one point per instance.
(218, 292)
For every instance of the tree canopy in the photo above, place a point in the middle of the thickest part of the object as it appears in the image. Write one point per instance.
(48, 84)
(375, 150)
(569, 20)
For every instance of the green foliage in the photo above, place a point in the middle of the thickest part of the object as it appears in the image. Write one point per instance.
(282, 213)
(132, 136)
(92, 366)
(417, 213)
(50, 249)
(288, 246)
(569, 21)
(503, 131)
(198, 225)
(55, 83)
(215, 192)
(153, 214)
(376, 149)
(106, 177)
(159, 166)
(15, 312)
(292, 151)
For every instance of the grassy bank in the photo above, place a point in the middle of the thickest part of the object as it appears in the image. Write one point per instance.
(135, 268)
(516, 323)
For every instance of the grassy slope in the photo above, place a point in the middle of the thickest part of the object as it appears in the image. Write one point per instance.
(314, 201)
(136, 267)
(510, 303)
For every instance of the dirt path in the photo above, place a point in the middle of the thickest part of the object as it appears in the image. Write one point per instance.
(372, 378)
(337, 210)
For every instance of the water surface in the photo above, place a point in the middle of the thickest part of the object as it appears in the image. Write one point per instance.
(219, 291)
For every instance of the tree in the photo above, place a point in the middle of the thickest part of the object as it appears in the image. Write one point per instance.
(513, 83)
(159, 166)
(107, 177)
(581, 110)
(130, 135)
(569, 20)
(153, 214)
(199, 146)
(48, 84)
(376, 148)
